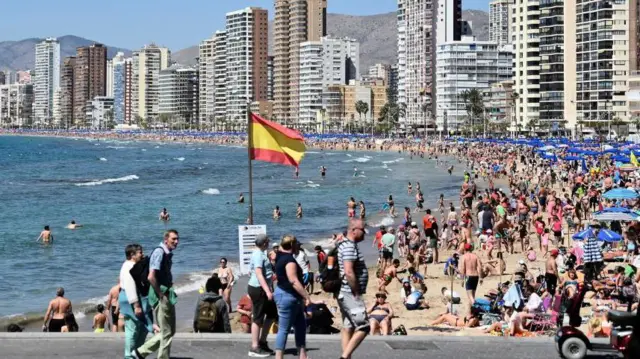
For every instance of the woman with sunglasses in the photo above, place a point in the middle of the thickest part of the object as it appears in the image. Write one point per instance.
(380, 314)
(227, 279)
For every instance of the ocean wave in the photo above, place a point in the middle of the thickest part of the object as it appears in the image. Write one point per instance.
(144, 150)
(359, 159)
(179, 159)
(103, 159)
(212, 191)
(312, 185)
(315, 152)
(386, 221)
(116, 147)
(109, 180)
(393, 161)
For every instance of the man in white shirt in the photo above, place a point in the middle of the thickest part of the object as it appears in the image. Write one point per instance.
(134, 325)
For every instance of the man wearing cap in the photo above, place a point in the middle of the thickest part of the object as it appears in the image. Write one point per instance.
(551, 273)
(470, 267)
(264, 311)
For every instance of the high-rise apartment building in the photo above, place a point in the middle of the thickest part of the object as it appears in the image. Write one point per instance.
(16, 104)
(449, 21)
(119, 87)
(128, 94)
(66, 90)
(463, 66)
(416, 77)
(401, 95)
(90, 78)
(145, 81)
(46, 81)
(270, 79)
(179, 94)
(499, 21)
(3, 78)
(324, 63)
(110, 75)
(525, 37)
(246, 60)
(557, 62)
(380, 71)
(213, 79)
(296, 21)
(606, 55)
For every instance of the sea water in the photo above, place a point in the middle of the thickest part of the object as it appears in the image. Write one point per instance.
(116, 190)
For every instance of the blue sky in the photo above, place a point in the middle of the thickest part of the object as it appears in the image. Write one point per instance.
(133, 23)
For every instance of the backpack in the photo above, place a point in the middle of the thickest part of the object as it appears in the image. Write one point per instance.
(207, 316)
(330, 279)
(140, 274)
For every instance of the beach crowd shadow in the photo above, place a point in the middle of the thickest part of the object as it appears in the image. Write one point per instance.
(436, 329)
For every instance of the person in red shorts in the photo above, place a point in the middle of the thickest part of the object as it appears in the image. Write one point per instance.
(244, 308)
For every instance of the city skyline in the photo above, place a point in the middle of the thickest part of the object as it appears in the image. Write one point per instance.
(125, 28)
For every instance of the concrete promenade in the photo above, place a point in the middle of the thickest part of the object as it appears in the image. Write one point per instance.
(235, 346)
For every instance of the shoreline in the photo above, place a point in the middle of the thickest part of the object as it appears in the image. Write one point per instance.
(184, 309)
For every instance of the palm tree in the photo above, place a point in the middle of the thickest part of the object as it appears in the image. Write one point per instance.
(474, 105)
(360, 108)
(636, 122)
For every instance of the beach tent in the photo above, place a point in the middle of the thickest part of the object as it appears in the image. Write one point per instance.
(620, 193)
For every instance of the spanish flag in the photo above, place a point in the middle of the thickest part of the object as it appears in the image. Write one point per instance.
(272, 142)
(634, 160)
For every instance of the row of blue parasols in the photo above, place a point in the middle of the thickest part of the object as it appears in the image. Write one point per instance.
(611, 214)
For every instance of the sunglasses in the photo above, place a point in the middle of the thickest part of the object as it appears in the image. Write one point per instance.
(381, 296)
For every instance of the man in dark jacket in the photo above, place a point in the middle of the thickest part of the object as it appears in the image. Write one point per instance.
(212, 295)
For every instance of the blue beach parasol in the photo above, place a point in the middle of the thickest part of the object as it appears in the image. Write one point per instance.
(621, 193)
(603, 235)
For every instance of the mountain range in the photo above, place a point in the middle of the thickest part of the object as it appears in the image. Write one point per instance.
(20, 55)
(376, 34)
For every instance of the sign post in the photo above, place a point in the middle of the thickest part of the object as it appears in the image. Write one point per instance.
(246, 242)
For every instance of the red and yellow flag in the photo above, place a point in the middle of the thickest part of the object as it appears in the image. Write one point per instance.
(272, 142)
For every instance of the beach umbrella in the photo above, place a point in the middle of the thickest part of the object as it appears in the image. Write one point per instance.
(547, 148)
(628, 167)
(622, 214)
(620, 158)
(604, 234)
(584, 234)
(620, 193)
(572, 158)
(609, 236)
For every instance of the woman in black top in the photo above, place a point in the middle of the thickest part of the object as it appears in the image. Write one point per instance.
(291, 298)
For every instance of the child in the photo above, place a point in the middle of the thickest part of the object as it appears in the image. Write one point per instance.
(545, 242)
(444, 236)
(491, 242)
(99, 320)
(531, 254)
(539, 225)
(557, 230)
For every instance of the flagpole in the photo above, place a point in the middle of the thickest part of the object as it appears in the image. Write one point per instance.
(250, 166)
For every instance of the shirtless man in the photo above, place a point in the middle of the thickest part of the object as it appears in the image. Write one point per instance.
(58, 308)
(470, 267)
(45, 235)
(73, 225)
(164, 215)
(551, 273)
(241, 198)
(113, 306)
(389, 273)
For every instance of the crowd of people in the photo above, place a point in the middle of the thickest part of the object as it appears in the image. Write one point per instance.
(513, 221)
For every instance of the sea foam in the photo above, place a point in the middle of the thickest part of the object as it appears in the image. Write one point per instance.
(212, 191)
(109, 180)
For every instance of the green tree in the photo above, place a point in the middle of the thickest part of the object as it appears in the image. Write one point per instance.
(110, 123)
(164, 119)
(140, 121)
(514, 99)
(474, 105)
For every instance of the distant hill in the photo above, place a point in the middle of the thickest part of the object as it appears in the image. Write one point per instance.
(377, 35)
(20, 55)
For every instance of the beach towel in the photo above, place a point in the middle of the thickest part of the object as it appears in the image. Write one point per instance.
(126, 310)
(514, 297)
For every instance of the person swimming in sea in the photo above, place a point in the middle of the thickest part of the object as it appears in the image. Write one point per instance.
(323, 171)
(355, 172)
(45, 235)
(276, 213)
(164, 215)
(73, 225)
(299, 211)
(241, 198)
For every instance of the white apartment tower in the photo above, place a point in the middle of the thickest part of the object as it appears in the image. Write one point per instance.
(246, 61)
(47, 80)
(449, 21)
(466, 65)
(213, 78)
(499, 21)
(606, 55)
(417, 52)
(525, 37)
(205, 71)
(402, 54)
(146, 66)
(110, 76)
(179, 94)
